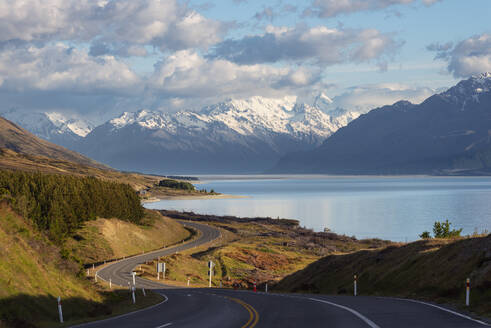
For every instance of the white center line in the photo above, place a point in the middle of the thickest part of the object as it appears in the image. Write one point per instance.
(166, 325)
(358, 314)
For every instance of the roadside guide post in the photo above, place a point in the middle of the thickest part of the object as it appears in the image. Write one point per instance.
(210, 271)
(266, 288)
(133, 294)
(110, 284)
(467, 291)
(134, 274)
(163, 271)
(188, 281)
(60, 311)
(355, 285)
(143, 291)
(254, 287)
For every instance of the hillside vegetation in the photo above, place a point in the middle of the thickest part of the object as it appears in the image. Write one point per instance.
(59, 204)
(263, 250)
(433, 269)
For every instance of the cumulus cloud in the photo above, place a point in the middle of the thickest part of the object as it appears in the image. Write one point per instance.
(164, 24)
(331, 8)
(63, 68)
(319, 44)
(468, 57)
(366, 97)
(187, 74)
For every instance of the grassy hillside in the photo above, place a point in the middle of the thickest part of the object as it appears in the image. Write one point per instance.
(105, 239)
(33, 274)
(428, 269)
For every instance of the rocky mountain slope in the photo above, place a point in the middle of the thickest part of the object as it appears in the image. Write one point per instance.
(448, 133)
(235, 136)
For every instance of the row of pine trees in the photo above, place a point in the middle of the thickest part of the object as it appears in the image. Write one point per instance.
(59, 204)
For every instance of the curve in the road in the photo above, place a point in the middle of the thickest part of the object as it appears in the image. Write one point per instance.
(120, 272)
(229, 308)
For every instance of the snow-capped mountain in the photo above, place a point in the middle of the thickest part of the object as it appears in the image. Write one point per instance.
(51, 126)
(232, 136)
(448, 133)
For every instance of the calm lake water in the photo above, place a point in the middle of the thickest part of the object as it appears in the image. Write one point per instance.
(396, 208)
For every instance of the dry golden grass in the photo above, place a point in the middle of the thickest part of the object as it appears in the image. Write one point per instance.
(105, 239)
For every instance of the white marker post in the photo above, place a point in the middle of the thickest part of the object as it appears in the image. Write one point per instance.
(210, 272)
(133, 295)
(266, 288)
(143, 291)
(355, 286)
(134, 274)
(110, 284)
(163, 271)
(188, 281)
(60, 311)
(95, 277)
(467, 291)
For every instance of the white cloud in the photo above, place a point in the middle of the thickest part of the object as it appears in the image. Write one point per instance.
(164, 24)
(468, 57)
(63, 69)
(331, 8)
(187, 74)
(366, 97)
(318, 44)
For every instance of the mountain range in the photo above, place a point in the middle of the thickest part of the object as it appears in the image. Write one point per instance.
(448, 133)
(235, 136)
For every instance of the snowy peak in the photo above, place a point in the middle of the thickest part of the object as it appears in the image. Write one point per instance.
(49, 125)
(468, 91)
(252, 116)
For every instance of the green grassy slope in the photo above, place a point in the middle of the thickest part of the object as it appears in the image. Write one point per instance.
(431, 269)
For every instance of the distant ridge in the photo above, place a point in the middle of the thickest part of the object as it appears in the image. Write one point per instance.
(449, 133)
(20, 141)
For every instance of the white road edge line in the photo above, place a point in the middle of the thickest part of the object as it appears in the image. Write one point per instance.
(166, 325)
(440, 308)
(122, 315)
(358, 314)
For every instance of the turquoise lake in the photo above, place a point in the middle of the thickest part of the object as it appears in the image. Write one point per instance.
(396, 208)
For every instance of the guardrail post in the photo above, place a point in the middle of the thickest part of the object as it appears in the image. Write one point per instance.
(467, 291)
(60, 311)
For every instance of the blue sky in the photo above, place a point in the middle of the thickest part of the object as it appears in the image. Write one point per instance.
(98, 58)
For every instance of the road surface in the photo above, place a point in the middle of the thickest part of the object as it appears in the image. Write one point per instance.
(245, 309)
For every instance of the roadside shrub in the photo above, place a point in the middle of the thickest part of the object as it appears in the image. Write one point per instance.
(425, 235)
(442, 230)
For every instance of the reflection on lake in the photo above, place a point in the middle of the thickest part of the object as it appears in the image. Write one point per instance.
(396, 208)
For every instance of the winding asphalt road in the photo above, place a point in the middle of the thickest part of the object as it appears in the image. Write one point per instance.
(246, 309)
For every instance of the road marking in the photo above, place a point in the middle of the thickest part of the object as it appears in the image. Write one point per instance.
(166, 325)
(253, 315)
(440, 308)
(358, 314)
